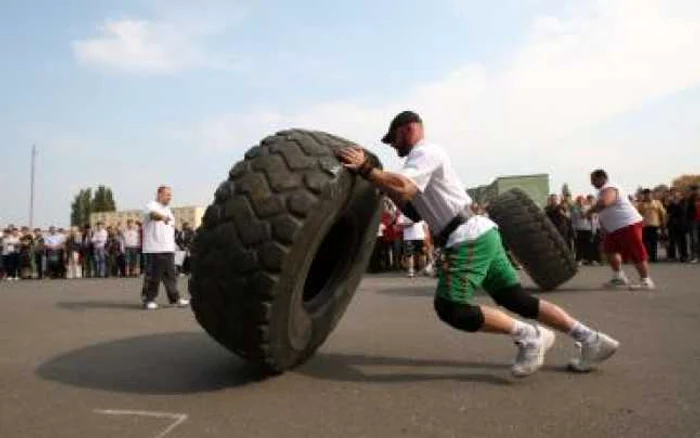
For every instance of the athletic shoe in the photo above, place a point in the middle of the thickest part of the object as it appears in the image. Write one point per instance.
(646, 284)
(531, 353)
(150, 305)
(616, 283)
(411, 274)
(594, 352)
(181, 302)
(693, 261)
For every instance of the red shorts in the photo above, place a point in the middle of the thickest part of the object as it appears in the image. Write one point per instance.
(627, 242)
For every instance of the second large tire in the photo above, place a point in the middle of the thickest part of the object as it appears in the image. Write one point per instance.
(283, 248)
(533, 239)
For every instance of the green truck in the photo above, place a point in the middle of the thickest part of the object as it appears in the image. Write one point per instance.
(535, 186)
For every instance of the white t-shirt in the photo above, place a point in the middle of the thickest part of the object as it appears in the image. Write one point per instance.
(99, 238)
(620, 214)
(131, 238)
(412, 230)
(158, 236)
(10, 244)
(441, 195)
(54, 240)
(578, 218)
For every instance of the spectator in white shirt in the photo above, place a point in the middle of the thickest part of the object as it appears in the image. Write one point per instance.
(132, 248)
(99, 249)
(10, 254)
(159, 250)
(55, 246)
(73, 247)
(583, 231)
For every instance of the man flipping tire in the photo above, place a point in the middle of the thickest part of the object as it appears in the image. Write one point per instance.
(622, 224)
(428, 187)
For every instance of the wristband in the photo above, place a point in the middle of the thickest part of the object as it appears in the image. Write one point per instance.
(365, 169)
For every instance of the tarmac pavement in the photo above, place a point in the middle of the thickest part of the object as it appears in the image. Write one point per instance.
(80, 358)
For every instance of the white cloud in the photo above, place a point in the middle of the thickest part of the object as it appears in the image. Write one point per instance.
(533, 110)
(134, 46)
(159, 46)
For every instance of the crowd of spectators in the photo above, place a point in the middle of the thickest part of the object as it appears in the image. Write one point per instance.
(671, 222)
(100, 252)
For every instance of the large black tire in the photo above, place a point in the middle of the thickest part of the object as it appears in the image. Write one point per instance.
(283, 248)
(533, 239)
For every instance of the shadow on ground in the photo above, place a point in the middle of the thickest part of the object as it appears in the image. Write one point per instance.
(184, 363)
(410, 291)
(379, 369)
(173, 363)
(96, 305)
(429, 291)
(565, 289)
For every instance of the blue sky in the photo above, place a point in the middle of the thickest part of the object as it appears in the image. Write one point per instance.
(133, 94)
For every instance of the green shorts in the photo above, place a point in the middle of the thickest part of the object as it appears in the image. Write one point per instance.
(479, 263)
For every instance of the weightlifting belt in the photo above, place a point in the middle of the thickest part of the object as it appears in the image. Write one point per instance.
(461, 218)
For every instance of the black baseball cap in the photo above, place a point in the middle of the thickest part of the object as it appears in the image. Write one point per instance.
(403, 118)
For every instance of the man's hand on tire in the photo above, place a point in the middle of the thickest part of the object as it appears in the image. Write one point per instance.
(355, 160)
(352, 158)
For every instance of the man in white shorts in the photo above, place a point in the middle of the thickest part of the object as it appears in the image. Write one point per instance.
(413, 241)
(428, 188)
(622, 225)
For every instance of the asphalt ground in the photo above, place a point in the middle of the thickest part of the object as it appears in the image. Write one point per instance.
(79, 358)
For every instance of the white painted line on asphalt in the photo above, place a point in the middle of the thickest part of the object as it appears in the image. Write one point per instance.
(178, 418)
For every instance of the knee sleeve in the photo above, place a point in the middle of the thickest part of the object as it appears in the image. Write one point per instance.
(460, 316)
(516, 300)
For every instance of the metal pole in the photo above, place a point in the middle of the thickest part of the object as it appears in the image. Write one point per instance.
(31, 190)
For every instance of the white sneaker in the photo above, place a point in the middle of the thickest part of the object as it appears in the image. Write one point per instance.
(646, 284)
(181, 302)
(150, 305)
(593, 353)
(531, 353)
(617, 283)
(411, 274)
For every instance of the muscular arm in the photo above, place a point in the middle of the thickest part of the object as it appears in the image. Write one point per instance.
(607, 198)
(399, 188)
(153, 215)
(156, 216)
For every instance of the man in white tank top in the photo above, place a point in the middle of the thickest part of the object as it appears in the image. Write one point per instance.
(428, 188)
(622, 225)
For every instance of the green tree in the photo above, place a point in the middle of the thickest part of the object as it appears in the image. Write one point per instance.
(103, 200)
(684, 182)
(81, 208)
(84, 203)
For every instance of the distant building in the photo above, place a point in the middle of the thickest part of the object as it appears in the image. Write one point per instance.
(536, 186)
(192, 215)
